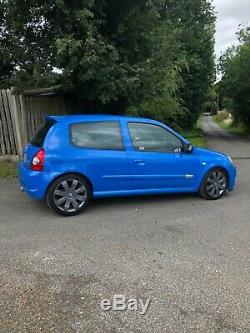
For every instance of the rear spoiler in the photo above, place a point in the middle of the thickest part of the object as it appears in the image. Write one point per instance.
(54, 118)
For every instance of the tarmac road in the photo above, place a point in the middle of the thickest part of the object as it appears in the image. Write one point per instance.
(221, 140)
(188, 255)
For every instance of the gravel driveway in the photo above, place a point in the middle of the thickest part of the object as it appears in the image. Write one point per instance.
(189, 256)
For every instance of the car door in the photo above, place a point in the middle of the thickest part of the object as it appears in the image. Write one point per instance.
(100, 154)
(157, 160)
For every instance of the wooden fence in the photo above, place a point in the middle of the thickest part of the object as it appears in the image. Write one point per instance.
(21, 115)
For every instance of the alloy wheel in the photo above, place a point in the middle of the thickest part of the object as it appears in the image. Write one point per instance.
(216, 184)
(70, 195)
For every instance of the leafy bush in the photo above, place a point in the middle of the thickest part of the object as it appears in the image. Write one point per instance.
(235, 84)
(165, 109)
(222, 116)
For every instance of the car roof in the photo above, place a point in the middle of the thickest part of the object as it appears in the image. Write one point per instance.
(71, 119)
(95, 117)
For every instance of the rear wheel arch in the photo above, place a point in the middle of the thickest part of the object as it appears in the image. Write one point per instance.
(67, 174)
(69, 193)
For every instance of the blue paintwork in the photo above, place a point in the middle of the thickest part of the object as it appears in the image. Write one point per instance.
(119, 173)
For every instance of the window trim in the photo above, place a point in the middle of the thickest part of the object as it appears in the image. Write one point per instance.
(152, 151)
(94, 122)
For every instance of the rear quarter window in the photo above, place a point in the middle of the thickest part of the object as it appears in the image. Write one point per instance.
(97, 135)
(41, 132)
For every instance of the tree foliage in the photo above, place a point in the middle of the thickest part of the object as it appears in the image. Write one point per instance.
(152, 58)
(195, 21)
(235, 83)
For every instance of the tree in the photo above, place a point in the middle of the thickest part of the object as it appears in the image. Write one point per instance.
(196, 22)
(150, 57)
(235, 83)
(6, 60)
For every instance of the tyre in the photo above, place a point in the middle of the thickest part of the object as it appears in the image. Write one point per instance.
(69, 194)
(214, 184)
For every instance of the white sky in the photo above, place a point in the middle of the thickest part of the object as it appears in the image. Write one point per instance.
(230, 13)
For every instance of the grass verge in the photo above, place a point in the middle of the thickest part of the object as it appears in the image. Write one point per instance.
(8, 169)
(196, 135)
(234, 129)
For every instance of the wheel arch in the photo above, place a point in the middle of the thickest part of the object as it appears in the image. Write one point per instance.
(70, 173)
(210, 169)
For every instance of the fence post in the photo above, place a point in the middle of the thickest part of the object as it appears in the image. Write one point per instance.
(16, 119)
(24, 118)
(3, 150)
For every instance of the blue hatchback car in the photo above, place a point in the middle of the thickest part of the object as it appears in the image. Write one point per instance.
(72, 159)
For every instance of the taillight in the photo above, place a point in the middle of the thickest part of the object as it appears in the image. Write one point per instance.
(37, 162)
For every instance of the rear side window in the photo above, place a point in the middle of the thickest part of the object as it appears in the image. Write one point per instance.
(41, 132)
(97, 135)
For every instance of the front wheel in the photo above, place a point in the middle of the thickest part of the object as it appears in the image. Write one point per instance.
(69, 194)
(214, 184)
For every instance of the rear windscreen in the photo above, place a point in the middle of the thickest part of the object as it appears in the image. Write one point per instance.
(41, 132)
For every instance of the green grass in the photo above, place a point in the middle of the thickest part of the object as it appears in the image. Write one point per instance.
(221, 123)
(8, 169)
(199, 142)
(196, 135)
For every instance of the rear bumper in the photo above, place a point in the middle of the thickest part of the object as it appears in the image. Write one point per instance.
(33, 183)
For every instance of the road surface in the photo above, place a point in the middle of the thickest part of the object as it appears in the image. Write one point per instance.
(188, 255)
(221, 140)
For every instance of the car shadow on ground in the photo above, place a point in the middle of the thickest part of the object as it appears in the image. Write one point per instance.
(133, 202)
(144, 199)
(139, 202)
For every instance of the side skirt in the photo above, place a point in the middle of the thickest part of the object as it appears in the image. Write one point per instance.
(143, 192)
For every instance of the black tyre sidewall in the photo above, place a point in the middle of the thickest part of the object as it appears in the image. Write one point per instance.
(203, 192)
(50, 194)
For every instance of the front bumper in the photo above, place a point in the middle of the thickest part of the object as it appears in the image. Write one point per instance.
(232, 178)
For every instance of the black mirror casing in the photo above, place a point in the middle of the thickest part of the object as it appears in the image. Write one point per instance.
(189, 148)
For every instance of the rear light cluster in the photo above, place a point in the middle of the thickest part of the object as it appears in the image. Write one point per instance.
(37, 162)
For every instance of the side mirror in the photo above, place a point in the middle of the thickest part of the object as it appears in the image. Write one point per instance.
(189, 148)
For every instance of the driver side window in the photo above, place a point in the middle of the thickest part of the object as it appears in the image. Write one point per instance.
(153, 138)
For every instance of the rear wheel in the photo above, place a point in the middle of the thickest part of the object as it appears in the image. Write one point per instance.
(214, 184)
(68, 195)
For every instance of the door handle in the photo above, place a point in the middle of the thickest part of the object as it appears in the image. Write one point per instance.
(139, 162)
